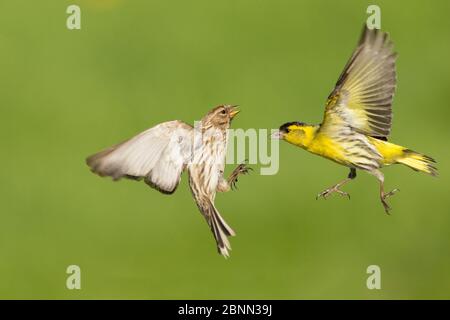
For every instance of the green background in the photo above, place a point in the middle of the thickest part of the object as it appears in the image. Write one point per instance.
(67, 94)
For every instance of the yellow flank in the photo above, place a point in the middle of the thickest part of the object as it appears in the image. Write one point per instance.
(390, 152)
(393, 153)
(325, 146)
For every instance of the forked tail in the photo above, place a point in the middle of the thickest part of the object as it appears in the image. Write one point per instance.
(418, 162)
(220, 229)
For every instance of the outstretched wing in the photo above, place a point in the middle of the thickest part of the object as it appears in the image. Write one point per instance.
(159, 155)
(362, 98)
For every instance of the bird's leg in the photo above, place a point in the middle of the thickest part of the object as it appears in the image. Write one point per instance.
(327, 192)
(384, 196)
(223, 185)
(240, 169)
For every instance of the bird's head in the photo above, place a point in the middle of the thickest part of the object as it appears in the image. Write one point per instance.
(221, 116)
(297, 133)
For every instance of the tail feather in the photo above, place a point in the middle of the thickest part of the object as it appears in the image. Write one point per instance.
(418, 162)
(220, 229)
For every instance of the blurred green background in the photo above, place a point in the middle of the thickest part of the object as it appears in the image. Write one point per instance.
(67, 94)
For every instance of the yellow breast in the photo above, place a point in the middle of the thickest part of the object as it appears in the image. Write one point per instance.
(325, 146)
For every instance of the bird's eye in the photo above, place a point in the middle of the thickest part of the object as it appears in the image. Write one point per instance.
(223, 111)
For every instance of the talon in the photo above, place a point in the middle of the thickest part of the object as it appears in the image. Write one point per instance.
(326, 193)
(384, 196)
(391, 193)
(387, 208)
(240, 169)
(342, 193)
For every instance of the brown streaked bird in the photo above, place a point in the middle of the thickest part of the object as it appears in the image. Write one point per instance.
(358, 117)
(160, 154)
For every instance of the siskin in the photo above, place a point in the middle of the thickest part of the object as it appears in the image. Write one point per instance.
(160, 154)
(358, 117)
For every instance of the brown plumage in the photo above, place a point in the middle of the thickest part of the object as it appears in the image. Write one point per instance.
(160, 154)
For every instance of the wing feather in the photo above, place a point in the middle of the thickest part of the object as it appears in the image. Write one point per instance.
(159, 155)
(363, 94)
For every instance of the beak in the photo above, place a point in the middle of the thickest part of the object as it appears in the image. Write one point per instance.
(277, 135)
(234, 111)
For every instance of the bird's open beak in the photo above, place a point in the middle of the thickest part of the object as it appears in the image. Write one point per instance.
(277, 135)
(234, 111)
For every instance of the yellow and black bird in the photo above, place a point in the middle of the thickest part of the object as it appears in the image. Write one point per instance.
(358, 118)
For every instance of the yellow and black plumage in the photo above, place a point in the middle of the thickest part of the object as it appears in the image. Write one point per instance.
(358, 117)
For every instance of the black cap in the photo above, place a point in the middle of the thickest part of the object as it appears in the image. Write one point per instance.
(284, 127)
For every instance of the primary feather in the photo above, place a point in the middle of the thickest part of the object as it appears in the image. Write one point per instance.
(362, 98)
(158, 155)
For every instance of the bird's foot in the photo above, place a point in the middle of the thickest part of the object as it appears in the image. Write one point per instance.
(327, 192)
(383, 198)
(240, 169)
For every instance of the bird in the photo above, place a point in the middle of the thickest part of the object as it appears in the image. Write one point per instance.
(160, 154)
(358, 118)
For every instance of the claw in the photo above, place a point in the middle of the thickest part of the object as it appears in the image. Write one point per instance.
(233, 184)
(384, 196)
(326, 193)
(391, 193)
(387, 208)
(240, 169)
